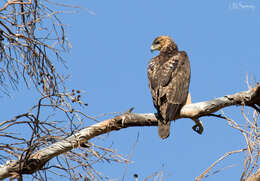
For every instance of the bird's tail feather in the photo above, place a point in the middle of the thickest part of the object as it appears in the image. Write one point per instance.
(164, 129)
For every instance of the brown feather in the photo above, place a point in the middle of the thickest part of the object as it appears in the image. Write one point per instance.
(169, 78)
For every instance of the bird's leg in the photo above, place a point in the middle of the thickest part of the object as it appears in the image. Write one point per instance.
(198, 127)
(188, 101)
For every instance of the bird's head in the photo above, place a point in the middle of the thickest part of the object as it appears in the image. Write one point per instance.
(164, 44)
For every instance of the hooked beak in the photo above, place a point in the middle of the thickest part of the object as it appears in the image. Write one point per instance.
(154, 47)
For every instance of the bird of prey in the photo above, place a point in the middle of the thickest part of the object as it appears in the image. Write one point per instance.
(169, 80)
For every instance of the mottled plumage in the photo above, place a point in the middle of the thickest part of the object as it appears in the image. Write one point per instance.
(169, 79)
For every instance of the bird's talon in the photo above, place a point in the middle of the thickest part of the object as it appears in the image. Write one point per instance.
(198, 128)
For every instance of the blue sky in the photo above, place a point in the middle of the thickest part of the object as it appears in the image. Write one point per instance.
(109, 59)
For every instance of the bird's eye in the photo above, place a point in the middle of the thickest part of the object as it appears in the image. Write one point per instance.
(157, 42)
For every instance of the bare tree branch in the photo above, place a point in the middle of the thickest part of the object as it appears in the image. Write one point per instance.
(38, 159)
(255, 177)
(31, 35)
(220, 159)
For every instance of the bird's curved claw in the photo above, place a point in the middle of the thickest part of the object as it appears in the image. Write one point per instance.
(198, 127)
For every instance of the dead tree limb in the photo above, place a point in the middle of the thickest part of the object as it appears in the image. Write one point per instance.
(194, 111)
(255, 177)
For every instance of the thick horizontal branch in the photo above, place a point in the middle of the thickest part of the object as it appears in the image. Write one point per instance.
(128, 119)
